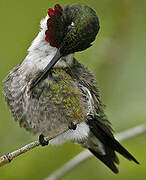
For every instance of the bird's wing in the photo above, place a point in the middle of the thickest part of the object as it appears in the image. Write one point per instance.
(100, 126)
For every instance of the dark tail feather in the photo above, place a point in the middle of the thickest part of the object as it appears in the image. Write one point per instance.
(113, 143)
(104, 134)
(107, 160)
(120, 149)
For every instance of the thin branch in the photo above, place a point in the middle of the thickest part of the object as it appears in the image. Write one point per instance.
(7, 158)
(86, 154)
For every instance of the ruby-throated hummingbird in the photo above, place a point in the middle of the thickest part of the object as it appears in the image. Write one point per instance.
(50, 90)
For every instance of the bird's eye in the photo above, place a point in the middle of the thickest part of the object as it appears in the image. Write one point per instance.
(71, 26)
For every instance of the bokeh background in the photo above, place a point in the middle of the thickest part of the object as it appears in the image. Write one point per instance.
(117, 58)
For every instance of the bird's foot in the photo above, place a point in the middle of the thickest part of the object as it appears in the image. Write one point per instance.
(42, 141)
(72, 126)
(90, 116)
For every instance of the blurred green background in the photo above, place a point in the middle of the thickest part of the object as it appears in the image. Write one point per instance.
(118, 61)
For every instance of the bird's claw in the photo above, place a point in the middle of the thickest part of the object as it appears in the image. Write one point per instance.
(42, 141)
(72, 126)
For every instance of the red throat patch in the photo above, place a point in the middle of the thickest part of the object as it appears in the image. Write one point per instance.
(50, 32)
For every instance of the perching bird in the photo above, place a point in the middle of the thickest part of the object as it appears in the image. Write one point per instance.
(50, 90)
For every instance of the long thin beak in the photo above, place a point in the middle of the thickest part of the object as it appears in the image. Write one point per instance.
(47, 68)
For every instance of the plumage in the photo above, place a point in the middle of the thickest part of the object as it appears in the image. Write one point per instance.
(67, 92)
(111, 145)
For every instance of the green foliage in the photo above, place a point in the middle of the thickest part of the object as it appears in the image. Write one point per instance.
(117, 57)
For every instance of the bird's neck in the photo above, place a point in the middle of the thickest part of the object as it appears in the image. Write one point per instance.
(40, 53)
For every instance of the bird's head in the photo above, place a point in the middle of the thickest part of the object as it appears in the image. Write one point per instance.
(70, 30)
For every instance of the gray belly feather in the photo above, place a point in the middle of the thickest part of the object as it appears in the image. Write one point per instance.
(49, 107)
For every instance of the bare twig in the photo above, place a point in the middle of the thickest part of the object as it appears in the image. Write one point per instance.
(86, 154)
(7, 158)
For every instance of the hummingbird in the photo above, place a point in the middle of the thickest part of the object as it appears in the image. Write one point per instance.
(50, 90)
